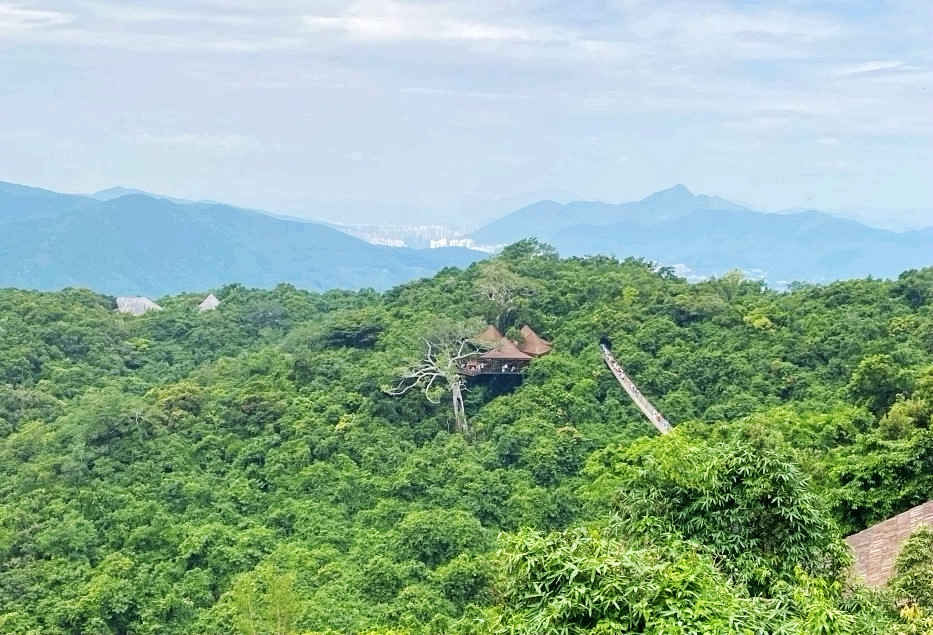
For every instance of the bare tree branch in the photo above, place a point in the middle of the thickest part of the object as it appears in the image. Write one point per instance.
(438, 368)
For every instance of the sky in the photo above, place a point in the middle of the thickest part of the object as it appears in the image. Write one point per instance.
(412, 111)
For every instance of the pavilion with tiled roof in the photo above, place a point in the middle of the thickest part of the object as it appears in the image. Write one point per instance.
(506, 351)
(490, 335)
(533, 344)
(504, 356)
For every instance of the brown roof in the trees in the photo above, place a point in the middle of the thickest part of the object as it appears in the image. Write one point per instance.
(533, 344)
(876, 548)
(506, 350)
(490, 335)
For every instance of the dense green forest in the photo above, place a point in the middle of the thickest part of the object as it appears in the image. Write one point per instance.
(245, 470)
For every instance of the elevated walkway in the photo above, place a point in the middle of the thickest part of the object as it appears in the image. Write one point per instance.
(651, 413)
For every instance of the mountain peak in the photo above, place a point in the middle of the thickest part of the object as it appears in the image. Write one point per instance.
(155, 246)
(116, 192)
(678, 193)
(113, 193)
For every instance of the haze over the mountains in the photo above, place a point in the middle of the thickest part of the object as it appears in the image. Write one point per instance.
(708, 236)
(126, 241)
(429, 111)
(141, 244)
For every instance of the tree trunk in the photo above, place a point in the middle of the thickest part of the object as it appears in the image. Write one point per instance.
(460, 418)
(504, 319)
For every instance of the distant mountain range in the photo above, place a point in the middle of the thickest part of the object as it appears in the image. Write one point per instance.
(710, 235)
(125, 241)
(128, 242)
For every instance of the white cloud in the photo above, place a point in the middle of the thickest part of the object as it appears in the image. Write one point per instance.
(198, 140)
(395, 28)
(738, 89)
(165, 42)
(771, 24)
(722, 32)
(872, 67)
(472, 94)
(836, 164)
(15, 18)
(128, 13)
(394, 21)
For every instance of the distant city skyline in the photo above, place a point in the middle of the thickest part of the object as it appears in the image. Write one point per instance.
(389, 111)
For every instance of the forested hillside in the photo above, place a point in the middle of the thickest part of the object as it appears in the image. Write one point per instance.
(244, 469)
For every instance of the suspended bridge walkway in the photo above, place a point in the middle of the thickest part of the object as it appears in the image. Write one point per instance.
(647, 408)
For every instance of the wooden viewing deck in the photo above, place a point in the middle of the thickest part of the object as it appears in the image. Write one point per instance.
(504, 357)
(472, 370)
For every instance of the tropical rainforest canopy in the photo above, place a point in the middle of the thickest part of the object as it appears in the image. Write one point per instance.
(246, 469)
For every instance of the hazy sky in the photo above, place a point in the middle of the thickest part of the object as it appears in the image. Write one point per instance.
(404, 108)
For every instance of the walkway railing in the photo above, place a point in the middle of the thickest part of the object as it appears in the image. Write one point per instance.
(647, 408)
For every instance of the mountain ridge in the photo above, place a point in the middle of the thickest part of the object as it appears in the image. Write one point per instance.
(127, 241)
(140, 244)
(551, 216)
(709, 235)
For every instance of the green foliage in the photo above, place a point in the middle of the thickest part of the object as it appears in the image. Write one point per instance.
(913, 579)
(888, 468)
(265, 603)
(504, 292)
(751, 508)
(358, 329)
(243, 470)
(876, 382)
(435, 536)
(590, 581)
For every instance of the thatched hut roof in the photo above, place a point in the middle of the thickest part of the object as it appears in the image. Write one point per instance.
(506, 350)
(136, 305)
(533, 344)
(490, 335)
(209, 304)
(876, 548)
